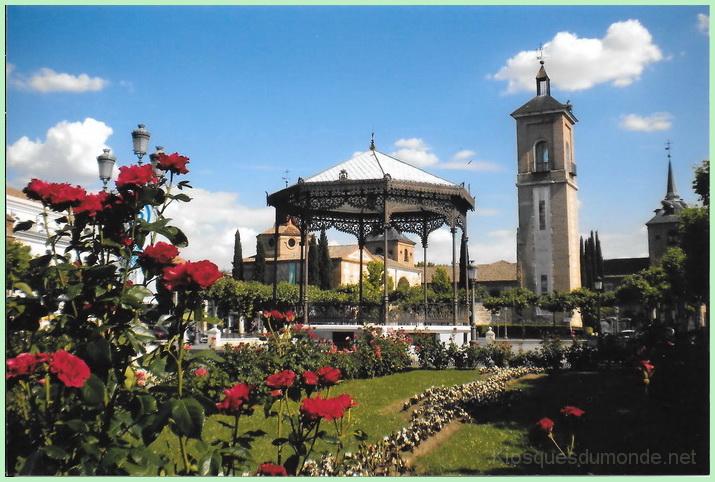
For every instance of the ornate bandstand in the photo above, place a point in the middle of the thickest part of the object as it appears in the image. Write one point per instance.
(368, 195)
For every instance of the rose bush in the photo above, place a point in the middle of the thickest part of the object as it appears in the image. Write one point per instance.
(87, 393)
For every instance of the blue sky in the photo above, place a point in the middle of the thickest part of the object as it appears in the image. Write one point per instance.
(250, 92)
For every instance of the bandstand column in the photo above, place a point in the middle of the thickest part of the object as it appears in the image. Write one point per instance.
(454, 275)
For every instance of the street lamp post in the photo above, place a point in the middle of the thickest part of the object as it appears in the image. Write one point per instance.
(105, 162)
(472, 275)
(598, 286)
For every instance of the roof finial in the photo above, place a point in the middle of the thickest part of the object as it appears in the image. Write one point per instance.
(541, 55)
(372, 140)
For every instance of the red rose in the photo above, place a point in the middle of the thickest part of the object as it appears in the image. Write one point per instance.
(201, 274)
(310, 378)
(92, 204)
(24, 364)
(318, 407)
(646, 367)
(276, 315)
(329, 375)
(236, 398)
(546, 424)
(272, 470)
(38, 190)
(346, 401)
(71, 370)
(174, 163)
(65, 195)
(279, 380)
(572, 411)
(160, 253)
(135, 176)
(57, 196)
(201, 372)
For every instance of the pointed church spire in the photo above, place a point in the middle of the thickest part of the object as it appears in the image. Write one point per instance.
(672, 191)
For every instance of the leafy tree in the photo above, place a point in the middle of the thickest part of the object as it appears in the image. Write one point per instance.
(373, 281)
(237, 271)
(701, 183)
(17, 262)
(557, 302)
(259, 267)
(441, 284)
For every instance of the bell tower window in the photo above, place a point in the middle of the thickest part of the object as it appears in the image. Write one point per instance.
(541, 156)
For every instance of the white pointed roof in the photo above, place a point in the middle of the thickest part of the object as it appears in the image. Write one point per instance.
(373, 164)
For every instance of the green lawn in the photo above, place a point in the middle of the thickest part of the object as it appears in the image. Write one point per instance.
(379, 411)
(671, 421)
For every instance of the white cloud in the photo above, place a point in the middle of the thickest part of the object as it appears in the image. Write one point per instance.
(704, 23)
(417, 152)
(414, 151)
(660, 121)
(47, 80)
(465, 154)
(575, 63)
(210, 221)
(68, 154)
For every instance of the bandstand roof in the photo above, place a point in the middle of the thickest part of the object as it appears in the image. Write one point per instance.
(373, 164)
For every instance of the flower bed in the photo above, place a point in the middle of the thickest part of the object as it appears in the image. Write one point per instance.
(435, 407)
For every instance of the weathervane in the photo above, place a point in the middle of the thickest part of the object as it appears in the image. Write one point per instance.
(286, 178)
(667, 148)
(541, 55)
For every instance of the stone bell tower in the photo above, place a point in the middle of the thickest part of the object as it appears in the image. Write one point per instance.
(548, 237)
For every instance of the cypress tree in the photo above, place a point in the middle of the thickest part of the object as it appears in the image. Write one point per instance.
(326, 264)
(313, 263)
(237, 271)
(463, 257)
(259, 270)
(599, 258)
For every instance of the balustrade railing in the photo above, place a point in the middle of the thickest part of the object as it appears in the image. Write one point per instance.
(398, 314)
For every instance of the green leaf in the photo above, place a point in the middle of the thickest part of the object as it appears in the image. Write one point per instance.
(98, 352)
(280, 441)
(330, 439)
(180, 197)
(210, 464)
(23, 226)
(93, 390)
(77, 426)
(74, 290)
(24, 287)
(114, 456)
(188, 416)
(237, 452)
(207, 355)
(54, 452)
